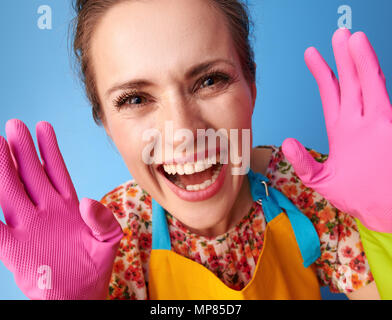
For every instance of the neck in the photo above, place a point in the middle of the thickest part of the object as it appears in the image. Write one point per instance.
(242, 204)
(240, 208)
(260, 159)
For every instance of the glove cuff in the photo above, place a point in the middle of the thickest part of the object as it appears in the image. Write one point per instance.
(378, 249)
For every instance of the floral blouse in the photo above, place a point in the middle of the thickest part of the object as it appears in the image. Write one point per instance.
(233, 256)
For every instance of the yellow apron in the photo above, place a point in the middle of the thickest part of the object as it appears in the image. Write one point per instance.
(284, 269)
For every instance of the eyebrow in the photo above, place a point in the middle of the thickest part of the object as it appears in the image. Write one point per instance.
(191, 73)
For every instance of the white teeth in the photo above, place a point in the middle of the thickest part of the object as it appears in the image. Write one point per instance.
(179, 184)
(206, 183)
(169, 168)
(172, 169)
(199, 166)
(180, 169)
(191, 168)
(188, 168)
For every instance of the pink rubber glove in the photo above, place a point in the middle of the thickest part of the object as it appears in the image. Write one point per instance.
(55, 247)
(357, 176)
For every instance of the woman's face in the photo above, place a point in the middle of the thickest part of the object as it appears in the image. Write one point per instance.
(155, 45)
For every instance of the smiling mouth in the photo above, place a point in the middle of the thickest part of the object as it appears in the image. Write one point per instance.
(195, 180)
(192, 176)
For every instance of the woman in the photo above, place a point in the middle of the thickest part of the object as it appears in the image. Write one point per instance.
(147, 63)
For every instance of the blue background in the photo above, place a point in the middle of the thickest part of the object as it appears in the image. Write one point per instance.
(37, 83)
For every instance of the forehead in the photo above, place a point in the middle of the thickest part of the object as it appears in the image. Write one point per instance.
(156, 38)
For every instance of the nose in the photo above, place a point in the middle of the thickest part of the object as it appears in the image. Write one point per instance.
(179, 118)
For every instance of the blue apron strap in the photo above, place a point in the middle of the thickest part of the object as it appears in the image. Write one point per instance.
(304, 230)
(259, 194)
(160, 230)
(273, 202)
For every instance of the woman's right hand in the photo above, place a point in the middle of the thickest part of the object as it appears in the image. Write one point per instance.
(56, 247)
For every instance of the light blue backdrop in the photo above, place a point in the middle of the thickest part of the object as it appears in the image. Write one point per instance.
(36, 83)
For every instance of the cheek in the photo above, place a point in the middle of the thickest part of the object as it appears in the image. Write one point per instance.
(128, 139)
(234, 110)
(237, 115)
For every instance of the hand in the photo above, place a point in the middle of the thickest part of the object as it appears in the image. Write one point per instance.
(357, 176)
(55, 247)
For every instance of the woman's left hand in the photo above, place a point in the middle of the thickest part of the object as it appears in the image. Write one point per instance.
(357, 176)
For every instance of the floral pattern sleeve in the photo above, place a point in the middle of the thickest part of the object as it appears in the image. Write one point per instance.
(343, 265)
(131, 206)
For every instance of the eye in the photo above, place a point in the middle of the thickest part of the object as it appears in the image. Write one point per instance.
(129, 99)
(214, 79)
(209, 81)
(135, 99)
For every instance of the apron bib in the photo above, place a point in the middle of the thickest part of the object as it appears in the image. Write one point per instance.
(284, 269)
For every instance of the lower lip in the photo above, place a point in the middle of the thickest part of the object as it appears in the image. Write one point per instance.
(200, 195)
